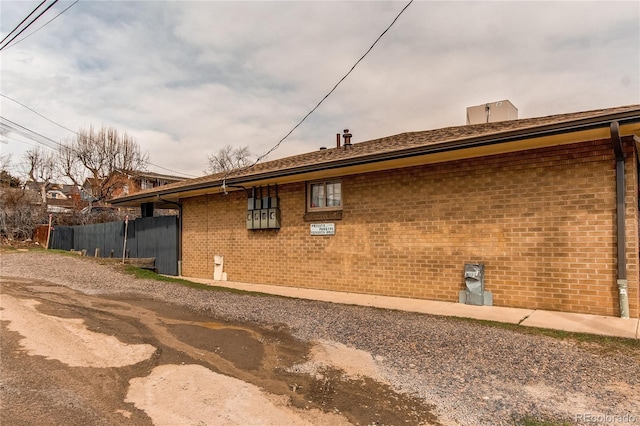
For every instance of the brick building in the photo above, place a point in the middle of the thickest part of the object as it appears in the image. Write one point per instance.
(534, 200)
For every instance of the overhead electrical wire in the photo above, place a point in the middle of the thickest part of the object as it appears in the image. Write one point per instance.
(277, 145)
(260, 158)
(8, 128)
(28, 25)
(16, 140)
(22, 22)
(37, 113)
(68, 129)
(28, 133)
(44, 25)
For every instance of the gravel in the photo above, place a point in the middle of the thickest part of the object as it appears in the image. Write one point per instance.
(474, 374)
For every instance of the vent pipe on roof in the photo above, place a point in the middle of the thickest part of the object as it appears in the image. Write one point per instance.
(347, 139)
(338, 140)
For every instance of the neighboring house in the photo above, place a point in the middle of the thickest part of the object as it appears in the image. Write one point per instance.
(63, 198)
(32, 186)
(147, 180)
(534, 200)
(56, 194)
(125, 184)
(60, 198)
(89, 187)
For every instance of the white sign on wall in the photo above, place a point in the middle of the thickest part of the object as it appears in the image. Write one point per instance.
(323, 229)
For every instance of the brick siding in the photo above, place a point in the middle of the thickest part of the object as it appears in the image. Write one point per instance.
(541, 221)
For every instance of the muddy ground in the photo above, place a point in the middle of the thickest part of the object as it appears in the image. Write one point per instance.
(189, 364)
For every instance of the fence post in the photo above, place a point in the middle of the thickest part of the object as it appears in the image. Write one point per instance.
(49, 231)
(124, 246)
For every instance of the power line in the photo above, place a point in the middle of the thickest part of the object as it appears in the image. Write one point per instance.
(277, 145)
(37, 113)
(45, 24)
(17, 140)
(72, 131)
(28, 133)
(29, 24)
(22, 22)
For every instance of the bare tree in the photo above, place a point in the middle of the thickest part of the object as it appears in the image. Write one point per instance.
(5, 162)
(6, 178)
(228, 158)
(20, 213)
(68, 165)
(39, 167)
(106, 158)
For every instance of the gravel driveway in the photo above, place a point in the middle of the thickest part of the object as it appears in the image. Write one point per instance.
(474, 374)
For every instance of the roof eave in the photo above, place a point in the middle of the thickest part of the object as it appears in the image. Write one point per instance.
(538, 132)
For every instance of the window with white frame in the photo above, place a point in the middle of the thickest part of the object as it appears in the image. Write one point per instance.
(325, 195)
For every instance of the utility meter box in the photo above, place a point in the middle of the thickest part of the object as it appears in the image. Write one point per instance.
(263, 212)
(264, 218)
(274, 219)
(474, 293)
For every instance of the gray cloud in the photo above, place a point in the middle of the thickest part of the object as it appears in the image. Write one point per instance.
(186, 78)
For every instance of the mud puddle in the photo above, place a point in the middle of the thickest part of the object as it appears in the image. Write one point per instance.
(196, 356)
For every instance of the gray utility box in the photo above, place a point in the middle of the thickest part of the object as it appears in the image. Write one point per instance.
(274, 219)
(263, 213)
(250, 219)
(474, 293)
(264, 218)
(250, 205)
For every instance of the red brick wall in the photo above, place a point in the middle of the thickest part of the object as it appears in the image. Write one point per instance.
(542, 222)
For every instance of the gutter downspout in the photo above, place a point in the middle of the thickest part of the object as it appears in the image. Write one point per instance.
(179, 232)
(618, 149)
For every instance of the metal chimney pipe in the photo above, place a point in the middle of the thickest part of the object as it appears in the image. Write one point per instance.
(338, 140)
(347, 139)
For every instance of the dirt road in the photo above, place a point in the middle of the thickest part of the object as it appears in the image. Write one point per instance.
(76, 359)
(85, 343)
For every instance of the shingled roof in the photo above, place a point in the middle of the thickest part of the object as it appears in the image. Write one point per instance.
(407, 145)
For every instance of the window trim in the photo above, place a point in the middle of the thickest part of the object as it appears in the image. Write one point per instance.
(310, 209)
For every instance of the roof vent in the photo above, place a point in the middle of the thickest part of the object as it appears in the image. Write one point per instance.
(492, 112)
(347, 138)
(323, 148)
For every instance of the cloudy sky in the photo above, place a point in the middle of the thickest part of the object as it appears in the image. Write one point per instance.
(185, 78)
